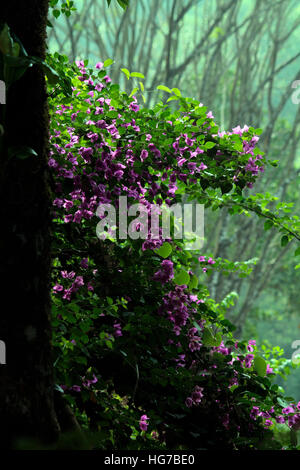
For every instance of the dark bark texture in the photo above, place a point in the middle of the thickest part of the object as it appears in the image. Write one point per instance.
(26, 381)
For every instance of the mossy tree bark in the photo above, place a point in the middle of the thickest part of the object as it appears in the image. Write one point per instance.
(26, 381)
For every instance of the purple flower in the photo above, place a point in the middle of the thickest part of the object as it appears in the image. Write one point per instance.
(197, 394)
(58, 288)
(119, 174)
(165, 273)
(68, 205)
(86, 153)
(254, 412)
(294, 422)
(268, 423)
(143, 423)
(191, 166)
(118, 330)
(248, 360)
(251, 343)
(67, 275)
(88, 383)
(78, 281)
(84, 263)
(288, 410)
(144, 155)
(134, 107)
(202, 166)
(189, 402)
(52, 163)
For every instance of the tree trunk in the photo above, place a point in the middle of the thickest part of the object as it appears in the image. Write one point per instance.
(26, 381)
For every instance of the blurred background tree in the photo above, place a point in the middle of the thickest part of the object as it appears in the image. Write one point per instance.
(240, 58)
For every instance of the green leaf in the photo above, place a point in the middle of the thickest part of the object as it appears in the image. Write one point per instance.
(297, 252)
(268, 224)
(137, 166)
(165, 250)
(112, 114)
(123, 3)
(114, 89)
(176, 91)
(142, 86)
(197, 326)
(284, 240)
(182, 278)
(226, 187)
(209, 145)
(172, 98)
(260, 366)
(127, 73)
(56, 13)
(50, 73)
(164, 88)
(137, 75)
(238, 146)
(193, 282)
(108, 62)
(208, 339)
(282, 402)
(133, 91)
(21, 151)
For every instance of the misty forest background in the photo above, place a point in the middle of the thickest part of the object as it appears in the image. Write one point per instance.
(240, 58)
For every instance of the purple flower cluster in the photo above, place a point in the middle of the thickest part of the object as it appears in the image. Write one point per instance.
(76, 284)
(176, 306)
(112, 156)
(194, 339)
(165, 273)
(290, 415)
(88, 382)
(195, 398)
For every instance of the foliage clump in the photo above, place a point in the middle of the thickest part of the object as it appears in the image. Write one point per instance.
(143, 354)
